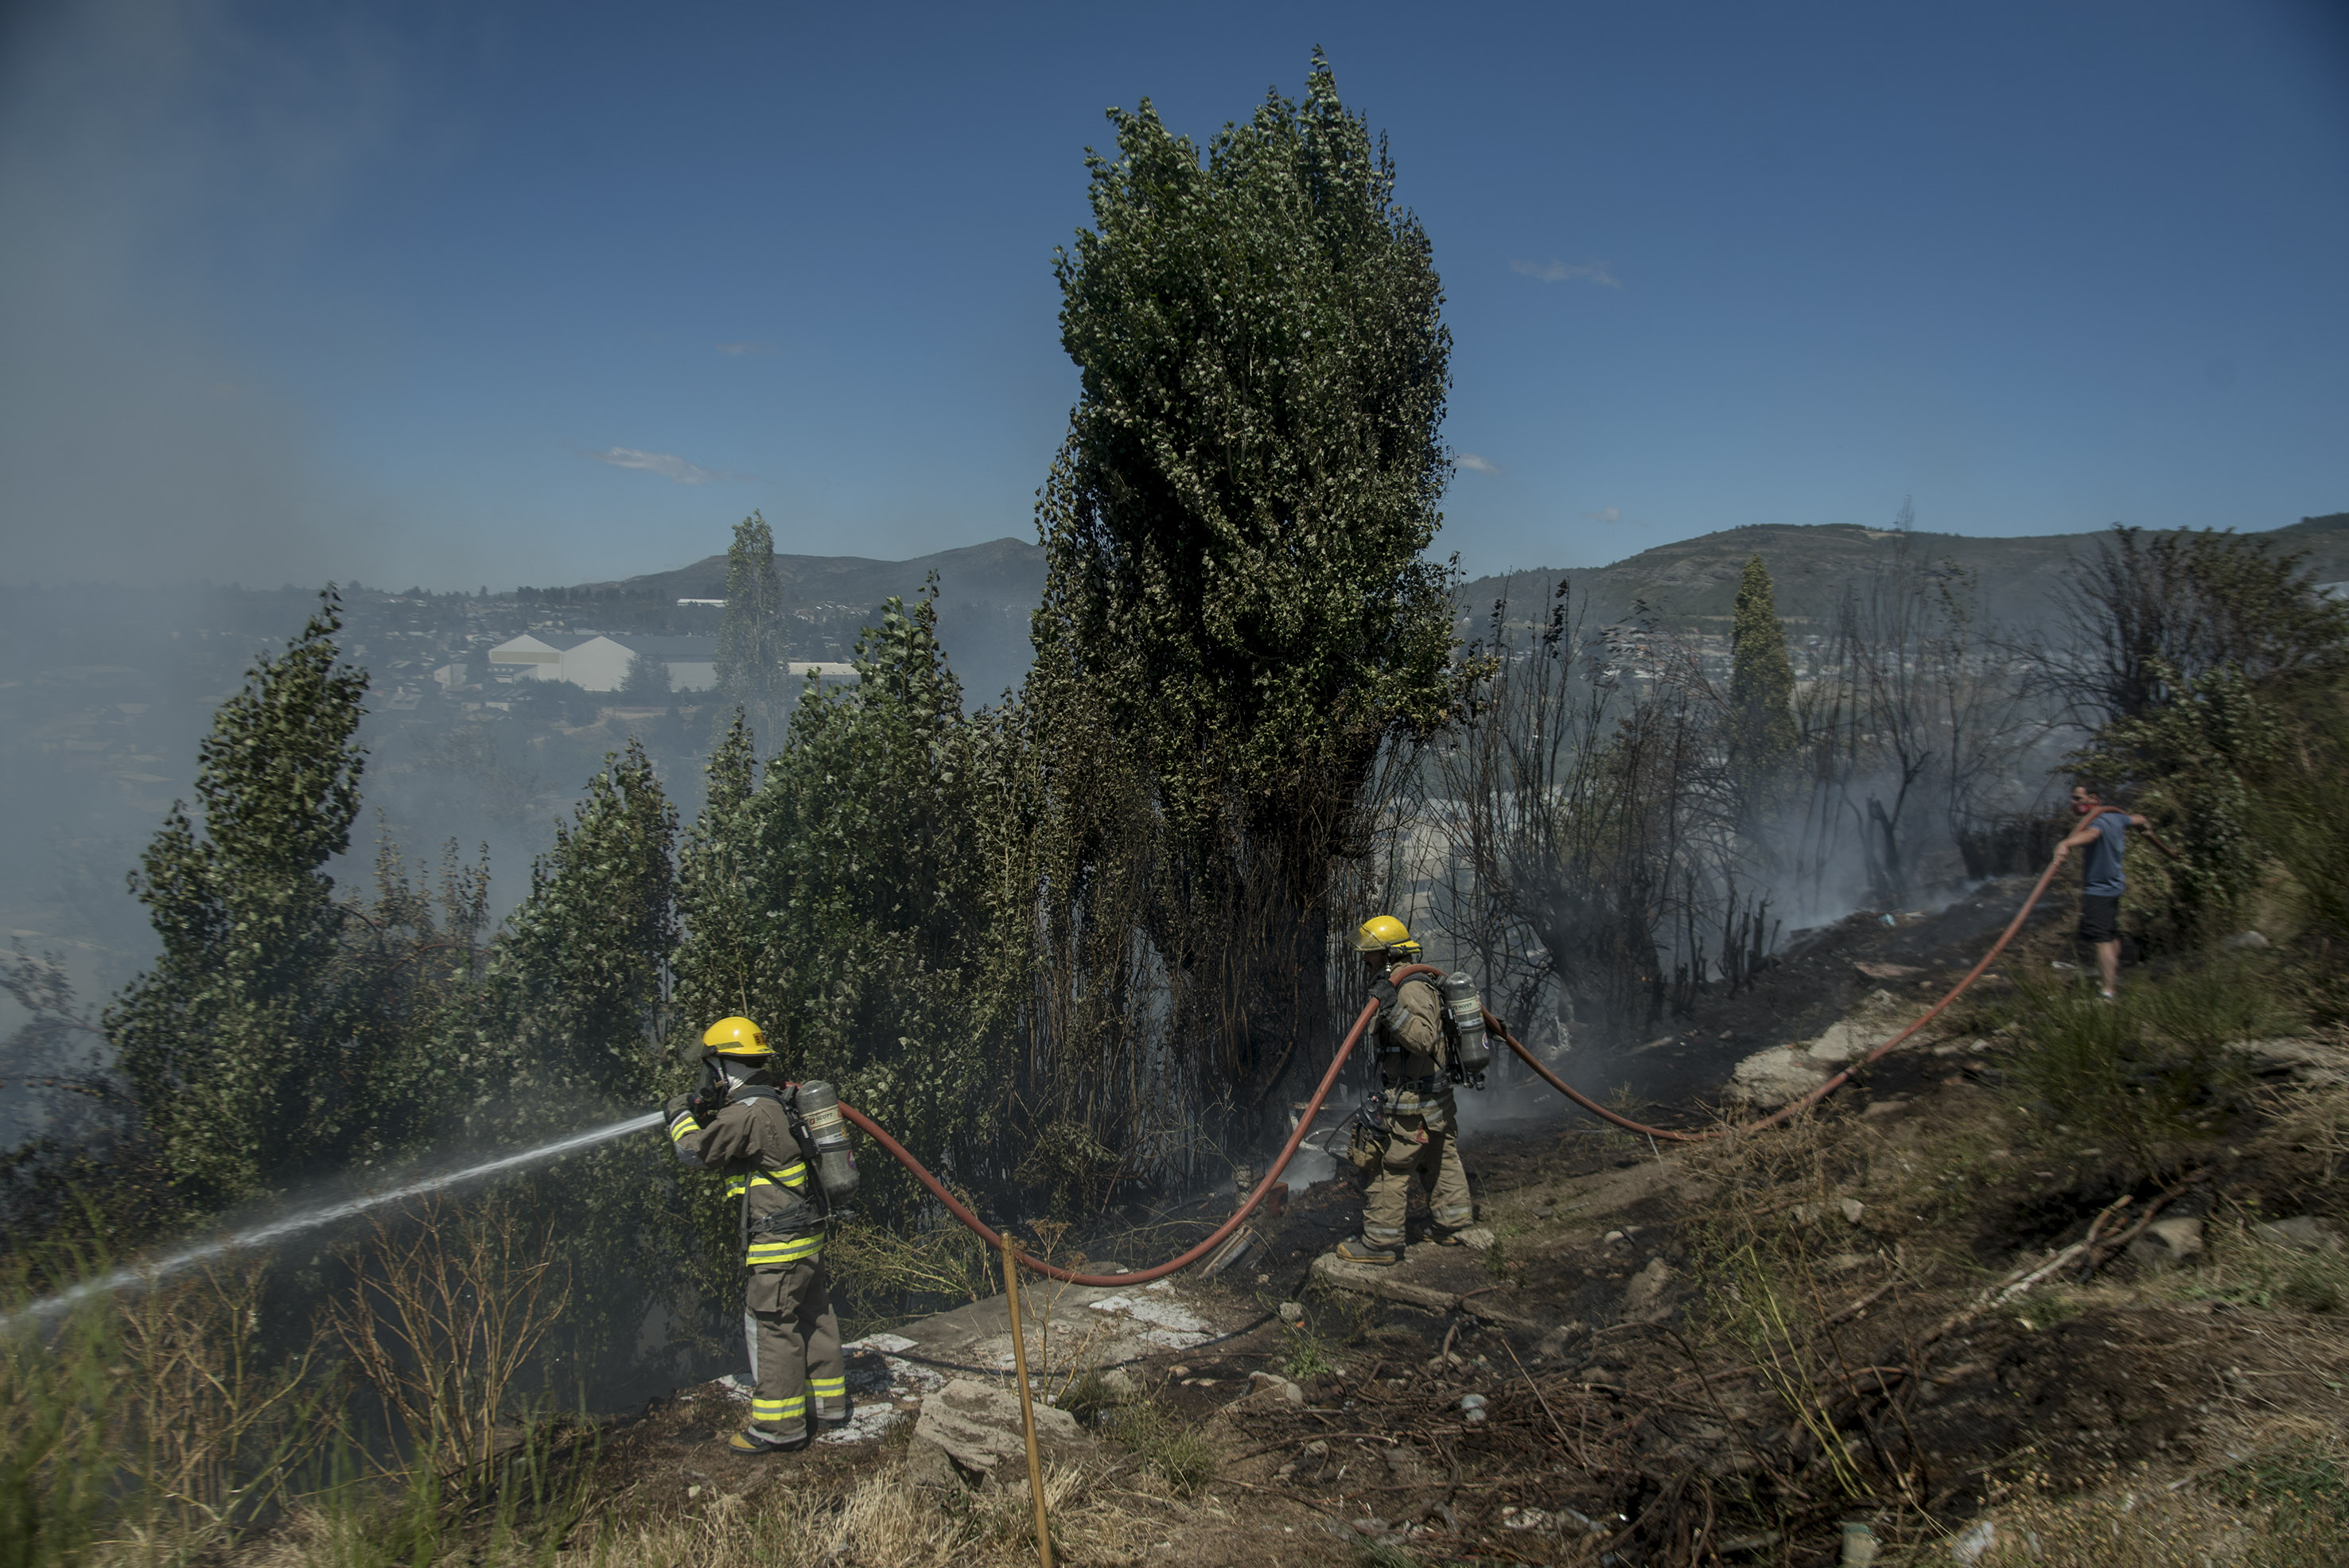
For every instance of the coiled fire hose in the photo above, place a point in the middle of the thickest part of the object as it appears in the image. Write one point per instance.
(1353, 1036)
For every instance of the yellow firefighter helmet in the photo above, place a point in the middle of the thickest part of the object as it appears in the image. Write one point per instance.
(1384, 933)
(737, 1037)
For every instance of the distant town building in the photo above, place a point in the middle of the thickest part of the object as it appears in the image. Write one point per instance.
(712, 604)
(530, 656)
(600, 664)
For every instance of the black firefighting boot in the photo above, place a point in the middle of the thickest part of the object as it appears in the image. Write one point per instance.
(1354, 1250)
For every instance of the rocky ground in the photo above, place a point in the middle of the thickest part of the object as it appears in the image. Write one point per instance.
(1932, 1324)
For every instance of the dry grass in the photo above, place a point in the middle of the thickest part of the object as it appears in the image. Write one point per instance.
(884, 1521)
(211, 1425)
(449, 1306)
(2286, 1507)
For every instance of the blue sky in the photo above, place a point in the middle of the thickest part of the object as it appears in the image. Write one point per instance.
(487, 294)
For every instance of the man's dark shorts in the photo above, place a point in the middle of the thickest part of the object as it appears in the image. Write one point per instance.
(2100, 917)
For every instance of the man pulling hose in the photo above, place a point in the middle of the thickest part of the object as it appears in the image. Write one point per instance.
(2103, 881)
(739, 1124)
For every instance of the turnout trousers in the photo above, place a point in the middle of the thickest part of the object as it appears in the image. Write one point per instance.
(794, 1351)
(1416, 1148)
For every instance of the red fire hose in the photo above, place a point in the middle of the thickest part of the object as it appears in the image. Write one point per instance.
(1793, 1107)
(1141, 1276)
(1353, 1036)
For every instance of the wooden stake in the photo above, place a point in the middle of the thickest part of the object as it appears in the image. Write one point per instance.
(1026, 1410)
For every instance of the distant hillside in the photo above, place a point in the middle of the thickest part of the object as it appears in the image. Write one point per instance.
(986, 592)
(1694, 581)
(999, 571)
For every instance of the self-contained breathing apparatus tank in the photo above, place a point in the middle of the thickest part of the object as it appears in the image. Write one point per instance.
(835, 1166)
(1464, 1029)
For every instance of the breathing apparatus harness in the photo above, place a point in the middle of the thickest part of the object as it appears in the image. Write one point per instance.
(812, 1109)
(1467, 1052)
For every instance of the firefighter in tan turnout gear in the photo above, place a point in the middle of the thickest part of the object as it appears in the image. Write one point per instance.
(1413, 1125)
(741, 1124)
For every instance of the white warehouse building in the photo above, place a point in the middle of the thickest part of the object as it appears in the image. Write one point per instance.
(601, 663)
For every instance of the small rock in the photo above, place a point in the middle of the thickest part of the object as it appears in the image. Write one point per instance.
(2245, 940)
(1808, 1213)
(1845, 1262)
(1885, 1107)
(1294, 1393)
(1317, 1448)
(1768, 1079)
(1178, 1370)
(1119, 1384)
(1969, 1548)
(1290, 1312)
(966, 1426)
(2301, 1232)
(1859, 1545)
(1476, 1239)
(1646, 1286)
(1852, 1210)
(2181, 1234)
(1472, 1402)
(1554, 1342)
(1611, 1237)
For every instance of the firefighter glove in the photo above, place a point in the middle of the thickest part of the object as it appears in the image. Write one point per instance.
(1382, 991)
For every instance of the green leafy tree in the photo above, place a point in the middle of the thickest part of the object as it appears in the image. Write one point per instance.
(568, 1030)
(1761, 681)
(1235, 531)
(715, 889)
(839, 902)
(647, 681)
(574, 996)
(750, 630)
(238, 1042)
(2147, 614)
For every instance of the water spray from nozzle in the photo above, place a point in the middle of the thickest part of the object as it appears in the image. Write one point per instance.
(328, 1214)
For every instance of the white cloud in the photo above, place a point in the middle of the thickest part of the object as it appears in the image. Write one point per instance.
(1563, 272)
(666, 465)
(1605, 514)
(1481, 464)
(733, 350)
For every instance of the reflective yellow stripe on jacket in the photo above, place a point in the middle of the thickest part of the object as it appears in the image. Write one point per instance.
(793, 1174)
(771, 1251)
(766, 1253)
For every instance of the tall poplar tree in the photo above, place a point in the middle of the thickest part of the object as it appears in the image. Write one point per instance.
(1236, 528)
(750, 630)
(575, 998)
(1760, 684)
(238, 1042)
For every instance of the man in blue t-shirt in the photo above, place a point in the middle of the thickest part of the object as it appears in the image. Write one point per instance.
(2101, 879)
